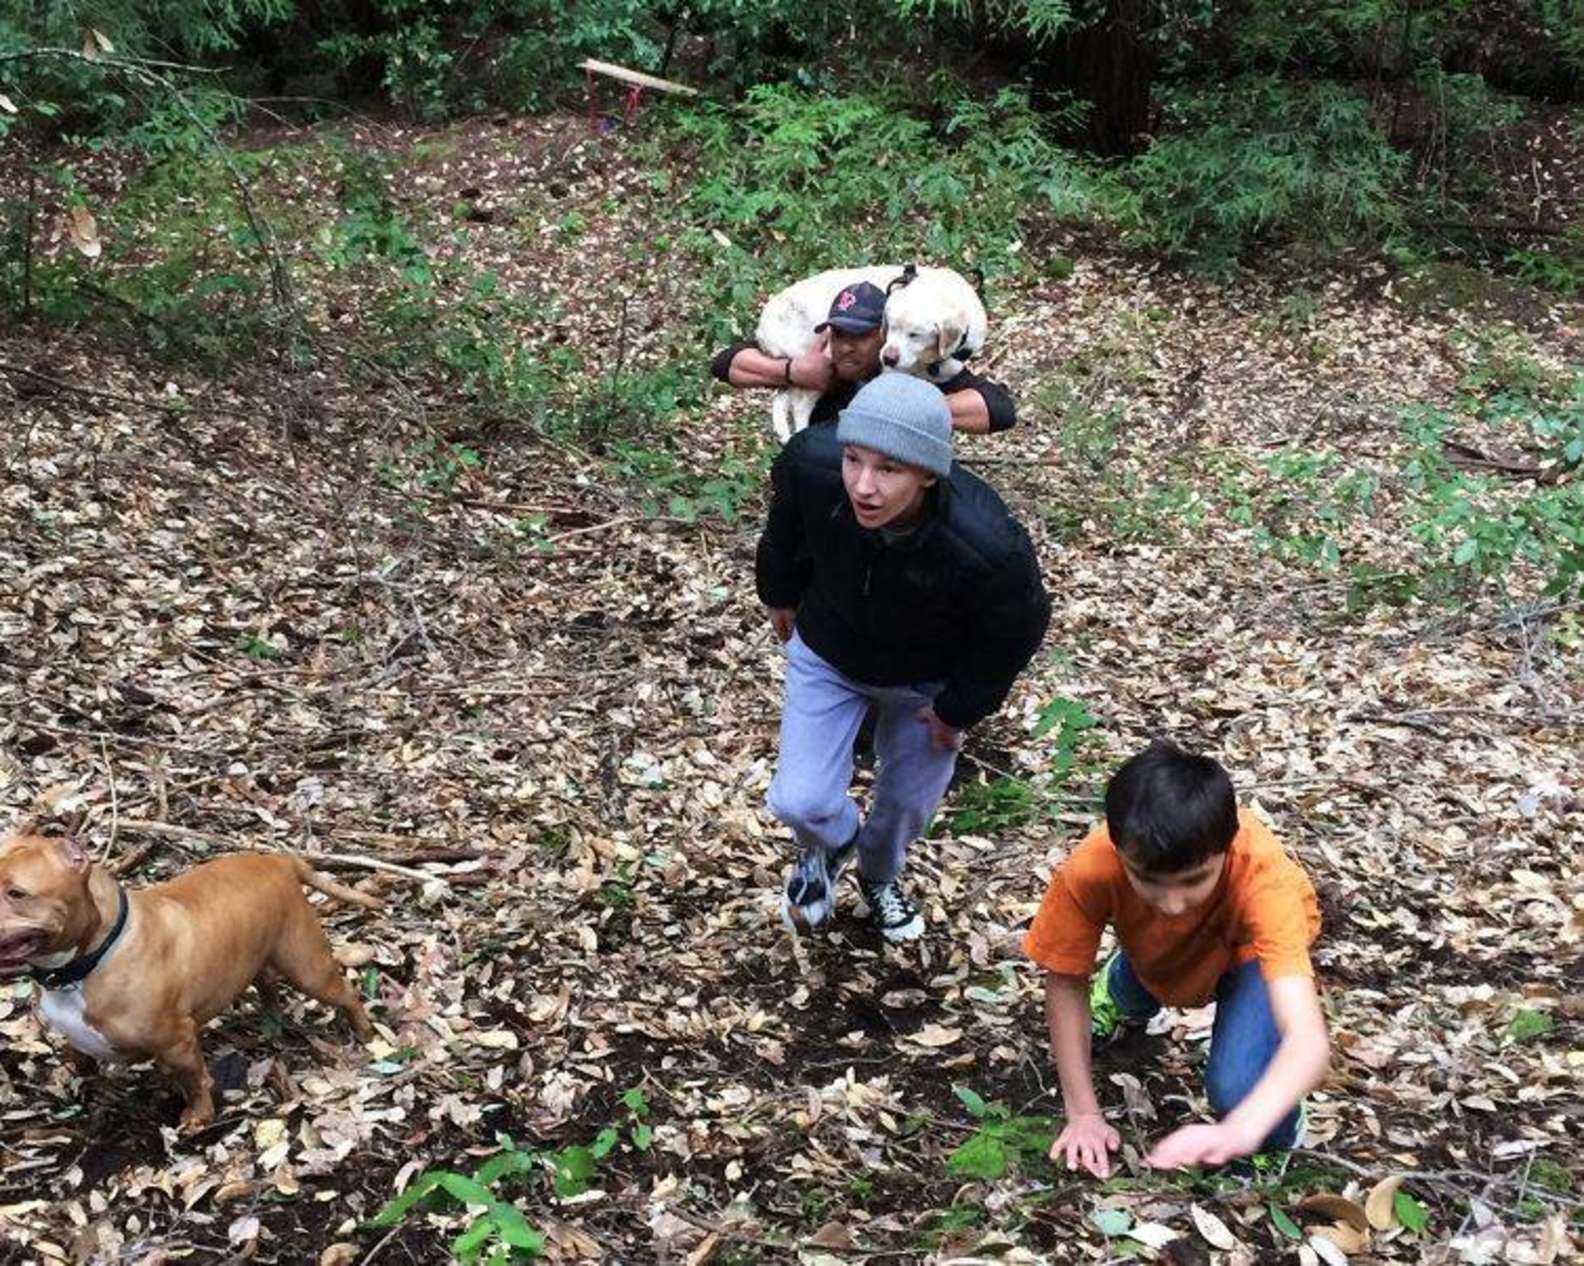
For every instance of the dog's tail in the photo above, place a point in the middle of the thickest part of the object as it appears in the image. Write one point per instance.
(322, 883)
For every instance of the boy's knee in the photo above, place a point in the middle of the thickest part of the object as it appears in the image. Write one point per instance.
(1228, 1084)
(803, 806)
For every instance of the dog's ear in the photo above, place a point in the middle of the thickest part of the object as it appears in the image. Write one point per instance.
(951, 337)
(73, 854)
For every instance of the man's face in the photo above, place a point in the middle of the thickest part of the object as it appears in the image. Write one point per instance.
(882, 490)
(855, 357)
(1179, 892)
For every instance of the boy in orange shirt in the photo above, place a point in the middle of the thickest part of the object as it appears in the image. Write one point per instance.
(1206, 904)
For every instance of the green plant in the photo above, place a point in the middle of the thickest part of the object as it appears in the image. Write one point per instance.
(670, 489)
(1070, 721)
(616, 893)
(640, 1132)
(1410, 1212)
(1261, 159)
(498, 1232)
(1528, 1024)
(258, 648)
(996, 805)
(1001, 1142)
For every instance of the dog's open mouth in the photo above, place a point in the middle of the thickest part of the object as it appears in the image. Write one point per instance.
(15, 950)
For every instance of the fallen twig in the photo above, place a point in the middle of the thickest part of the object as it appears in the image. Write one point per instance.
(325, 859)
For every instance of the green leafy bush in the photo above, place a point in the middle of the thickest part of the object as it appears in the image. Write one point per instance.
(1264, 160)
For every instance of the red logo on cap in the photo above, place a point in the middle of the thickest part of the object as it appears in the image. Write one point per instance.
(845, 300)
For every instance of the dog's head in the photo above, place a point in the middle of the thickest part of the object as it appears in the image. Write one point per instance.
(923, 327)
(45, 908)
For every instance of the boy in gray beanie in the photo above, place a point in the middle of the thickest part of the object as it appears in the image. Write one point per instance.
(898, 580)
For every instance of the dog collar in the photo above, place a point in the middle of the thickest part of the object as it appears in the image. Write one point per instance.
(933, 369)
(76, 971)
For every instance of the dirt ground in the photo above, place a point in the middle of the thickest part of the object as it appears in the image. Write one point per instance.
(218, 632)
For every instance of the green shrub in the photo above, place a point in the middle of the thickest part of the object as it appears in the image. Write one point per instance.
(1264, 160)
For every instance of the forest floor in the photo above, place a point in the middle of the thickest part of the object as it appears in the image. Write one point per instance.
(382, 629)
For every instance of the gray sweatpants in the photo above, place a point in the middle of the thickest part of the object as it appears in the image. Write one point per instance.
(814, 771)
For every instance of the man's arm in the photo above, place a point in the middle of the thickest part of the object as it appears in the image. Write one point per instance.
(978, 405)
(1086, 1140)
(1299, 1066)
(744, 365)
(969, 413)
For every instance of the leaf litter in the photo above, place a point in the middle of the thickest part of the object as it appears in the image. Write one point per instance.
(220, 634)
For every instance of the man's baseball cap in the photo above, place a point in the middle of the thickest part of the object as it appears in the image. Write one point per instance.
(856, 309)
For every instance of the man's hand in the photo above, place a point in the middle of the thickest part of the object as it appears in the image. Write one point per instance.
(783, 620)
(813, 369)
(1200, 1145)
(946, 738)
(1086, 1142)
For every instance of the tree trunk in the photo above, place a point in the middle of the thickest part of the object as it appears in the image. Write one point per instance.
(1110, 64)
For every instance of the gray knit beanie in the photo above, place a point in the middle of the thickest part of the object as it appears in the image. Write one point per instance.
(903, 417)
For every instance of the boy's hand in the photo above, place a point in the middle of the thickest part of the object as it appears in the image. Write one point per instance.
(1087, 1141)
(1199, 1145)
(783, 620)
(944, 737)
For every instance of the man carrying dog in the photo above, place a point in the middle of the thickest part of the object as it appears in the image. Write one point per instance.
(846, 356)
(900, 580)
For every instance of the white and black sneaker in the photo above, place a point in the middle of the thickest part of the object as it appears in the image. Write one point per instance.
(897, 918)
(810, 893)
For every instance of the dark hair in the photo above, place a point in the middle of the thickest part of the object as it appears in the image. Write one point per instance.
(1169, 810)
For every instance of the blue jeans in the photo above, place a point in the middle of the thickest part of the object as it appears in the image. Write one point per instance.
(1242, 1043)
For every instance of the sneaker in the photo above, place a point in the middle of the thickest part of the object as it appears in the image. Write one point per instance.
(897, 918)
(810, 894)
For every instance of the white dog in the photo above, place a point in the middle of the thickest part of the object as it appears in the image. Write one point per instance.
(934, 322)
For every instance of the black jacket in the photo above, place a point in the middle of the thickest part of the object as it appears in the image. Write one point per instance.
(959, 599)
(998, 402)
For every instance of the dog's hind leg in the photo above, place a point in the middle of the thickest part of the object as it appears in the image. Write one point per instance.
(302, 955)
(781, 414)
(802, 407)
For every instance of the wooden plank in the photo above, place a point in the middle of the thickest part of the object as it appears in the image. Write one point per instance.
(636, 77)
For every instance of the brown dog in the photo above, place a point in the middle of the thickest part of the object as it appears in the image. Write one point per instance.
(137, 975)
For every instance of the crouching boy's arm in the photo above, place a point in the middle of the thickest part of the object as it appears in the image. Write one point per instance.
(1086, 1140)
(1298, 1066)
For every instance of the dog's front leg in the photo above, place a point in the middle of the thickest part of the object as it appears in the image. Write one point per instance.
(183, 1059)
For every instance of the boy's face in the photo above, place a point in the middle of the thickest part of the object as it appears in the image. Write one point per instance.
(1179, 892)
(882, 490)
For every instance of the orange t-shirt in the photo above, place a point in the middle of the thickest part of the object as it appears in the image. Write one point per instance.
(1263, 908)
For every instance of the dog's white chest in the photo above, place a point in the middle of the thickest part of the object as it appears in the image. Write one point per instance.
(64, 1011)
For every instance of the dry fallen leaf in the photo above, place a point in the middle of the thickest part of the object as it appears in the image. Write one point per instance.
(339, 1254)
(84, 232)
(351, 954)
(1380, 1207)
(1326, 1251)
(1340, 1208)
(1154, 1235)
(7, 104)
(936, 1035)
(832, 1235)
(1213, 1229)
(1347, 1238)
